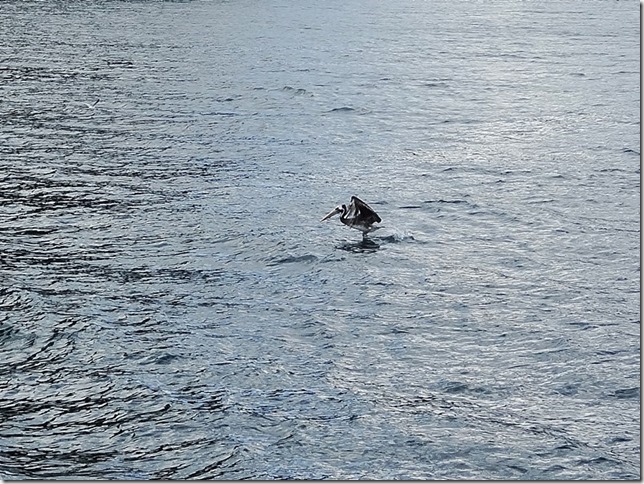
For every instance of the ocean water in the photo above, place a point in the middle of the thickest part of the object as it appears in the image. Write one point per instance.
(171, 306)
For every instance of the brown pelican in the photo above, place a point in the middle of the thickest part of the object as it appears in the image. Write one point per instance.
(359, 215)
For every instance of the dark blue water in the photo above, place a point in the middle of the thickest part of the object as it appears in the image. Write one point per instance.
(171, 307)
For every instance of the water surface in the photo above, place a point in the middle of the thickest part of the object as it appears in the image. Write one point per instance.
(171, 307)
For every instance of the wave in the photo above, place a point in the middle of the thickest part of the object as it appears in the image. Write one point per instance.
(295, 259)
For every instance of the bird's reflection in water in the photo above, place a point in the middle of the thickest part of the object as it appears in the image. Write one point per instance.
(365, 245)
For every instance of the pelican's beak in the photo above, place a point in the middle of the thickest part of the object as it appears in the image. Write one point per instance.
(333, 212)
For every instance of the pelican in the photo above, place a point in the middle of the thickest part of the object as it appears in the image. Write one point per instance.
(359, 216)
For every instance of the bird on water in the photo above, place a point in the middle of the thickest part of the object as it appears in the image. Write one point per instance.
(358, 215)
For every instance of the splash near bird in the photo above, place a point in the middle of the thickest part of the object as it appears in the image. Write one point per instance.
(358, 215)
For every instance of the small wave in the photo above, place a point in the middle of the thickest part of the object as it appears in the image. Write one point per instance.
(219, 113)
(627, 393)
(544, 200)
(364, 246)
(295, 91)
(11, 299)
(446, 201)
(435, 84)
(611, 170)
(343, 109)
(397, 237)
(629, 150)
(292, 259)
(437, 203)
(34, 232)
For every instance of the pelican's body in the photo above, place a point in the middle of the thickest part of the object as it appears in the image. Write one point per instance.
(358, 215)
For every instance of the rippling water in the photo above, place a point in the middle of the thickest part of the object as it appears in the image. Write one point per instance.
(171, 306)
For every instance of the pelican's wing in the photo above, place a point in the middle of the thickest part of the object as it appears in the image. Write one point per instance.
(363, 211)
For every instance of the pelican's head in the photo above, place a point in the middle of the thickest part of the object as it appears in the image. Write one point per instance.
(335, 211)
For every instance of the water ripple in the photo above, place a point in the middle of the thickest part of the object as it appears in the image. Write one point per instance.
(171, 307)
